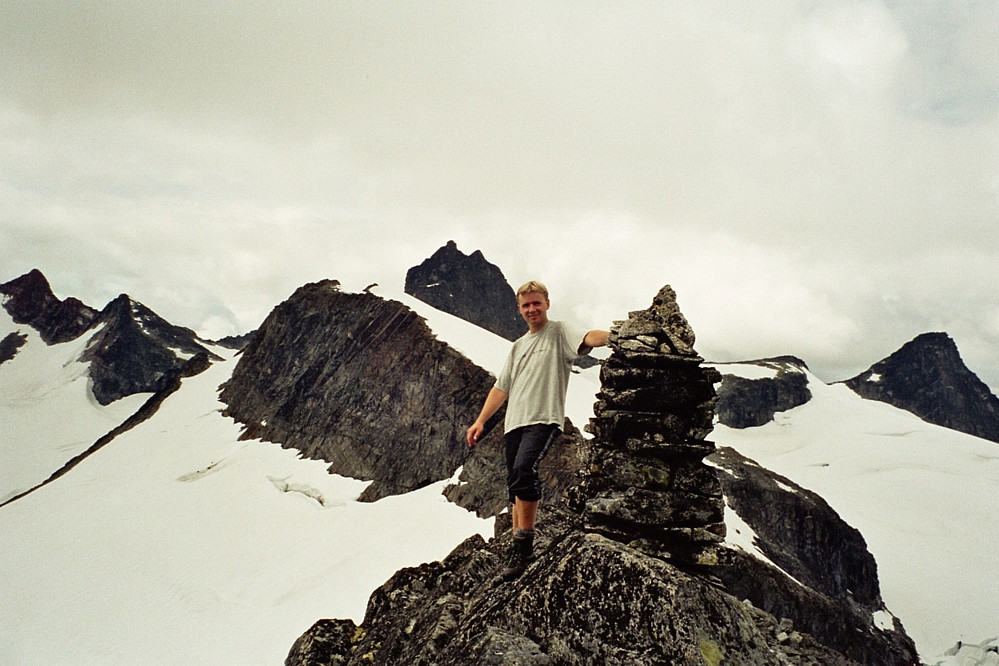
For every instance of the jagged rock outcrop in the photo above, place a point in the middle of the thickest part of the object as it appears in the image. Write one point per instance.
(31, 301)
(646, 483)
(928, 378)
(9, 346)
(237, 342)
(362, 383)
(136, 351)
(587, 599)
(747, 403)
(827, 582)
(623, 573)
(469, 287)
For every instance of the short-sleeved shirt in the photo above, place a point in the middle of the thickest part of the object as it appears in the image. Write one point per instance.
(536, 375)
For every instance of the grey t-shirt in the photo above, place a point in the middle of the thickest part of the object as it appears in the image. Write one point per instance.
(536, 375)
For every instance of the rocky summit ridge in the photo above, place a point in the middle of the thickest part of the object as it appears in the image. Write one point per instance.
(818, 607)
(632, 568)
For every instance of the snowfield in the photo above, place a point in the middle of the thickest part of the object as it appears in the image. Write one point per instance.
(47, 409)
(177, 543)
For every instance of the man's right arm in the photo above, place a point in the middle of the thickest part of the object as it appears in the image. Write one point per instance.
(494, 401)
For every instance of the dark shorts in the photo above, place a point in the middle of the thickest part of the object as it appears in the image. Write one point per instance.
(525, 447)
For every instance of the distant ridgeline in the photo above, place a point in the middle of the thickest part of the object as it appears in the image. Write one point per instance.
(747, 403)
(131, 349)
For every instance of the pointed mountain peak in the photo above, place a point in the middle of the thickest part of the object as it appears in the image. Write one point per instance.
(927, 377)
(467, 286)
(137, 351)
(30, 301)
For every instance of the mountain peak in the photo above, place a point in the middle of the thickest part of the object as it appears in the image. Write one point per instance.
(31, 301)
(137, 350)
(467, 286)
(927, 377)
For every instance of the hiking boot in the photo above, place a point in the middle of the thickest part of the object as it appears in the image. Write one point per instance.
(520, 554)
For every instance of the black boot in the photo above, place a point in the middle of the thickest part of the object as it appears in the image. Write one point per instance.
(521, 553)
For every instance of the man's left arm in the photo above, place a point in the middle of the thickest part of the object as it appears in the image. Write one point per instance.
(594, 338)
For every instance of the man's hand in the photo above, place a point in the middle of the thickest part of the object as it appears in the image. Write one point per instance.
(494, 401)
(473, 434)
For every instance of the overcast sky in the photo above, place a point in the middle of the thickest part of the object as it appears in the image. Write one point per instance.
(813, 178)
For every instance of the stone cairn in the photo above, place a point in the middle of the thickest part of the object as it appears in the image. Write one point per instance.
(645, 482)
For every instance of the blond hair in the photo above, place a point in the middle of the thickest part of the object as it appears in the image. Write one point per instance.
(533, 287)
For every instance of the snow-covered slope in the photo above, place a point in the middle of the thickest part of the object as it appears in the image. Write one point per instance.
(47, 412)
(177, 543)
(924, 497)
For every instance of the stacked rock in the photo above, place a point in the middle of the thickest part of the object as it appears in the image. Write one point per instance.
(646, 483)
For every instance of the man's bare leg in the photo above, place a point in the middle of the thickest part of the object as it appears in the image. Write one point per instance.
(522, 548)
(524, 514)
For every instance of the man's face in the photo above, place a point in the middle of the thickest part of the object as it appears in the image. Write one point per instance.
(534, 310)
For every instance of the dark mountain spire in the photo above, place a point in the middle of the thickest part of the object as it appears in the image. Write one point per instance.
(928, 378)
(469, 287)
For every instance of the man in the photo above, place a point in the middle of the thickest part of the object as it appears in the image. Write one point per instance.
(534, 378)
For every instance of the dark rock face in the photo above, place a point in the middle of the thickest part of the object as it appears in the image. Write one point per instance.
(136, 351)
(928, 378)
(32, 302)
(10, 344)
(469, 287)
(747, 403)
(629, 570)
(837, 590)
(237, 342)
(360, 382)
(646, 483)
